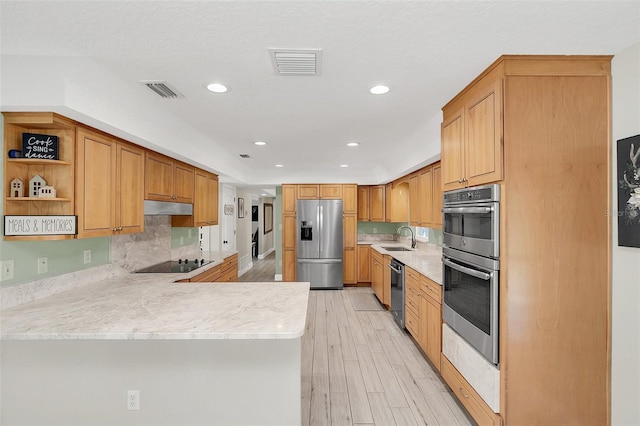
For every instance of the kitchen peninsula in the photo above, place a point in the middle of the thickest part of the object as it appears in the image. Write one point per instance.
(198, 353)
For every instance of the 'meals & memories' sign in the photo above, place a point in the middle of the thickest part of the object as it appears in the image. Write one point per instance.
(44, 147)
(39, 225)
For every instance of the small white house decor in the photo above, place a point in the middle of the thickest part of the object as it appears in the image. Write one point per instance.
(35, 183)
(47, 192)
(17, 188)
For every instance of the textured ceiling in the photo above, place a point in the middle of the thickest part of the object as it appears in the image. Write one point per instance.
(426, 51)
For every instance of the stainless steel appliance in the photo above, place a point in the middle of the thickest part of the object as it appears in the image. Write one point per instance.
(319, 234)
(175, 266)
(397, 292)
(471, 220)
(471, 266)
(470, 299)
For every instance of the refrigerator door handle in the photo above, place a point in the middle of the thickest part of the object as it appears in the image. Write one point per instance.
(321, 261)
(320, 226)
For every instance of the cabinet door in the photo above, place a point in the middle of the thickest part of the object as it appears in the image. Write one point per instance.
(288, 265)
(308, 192)
(433, 331)
(213, 199)
(202, 203)
(377, 279)
(350, 231)
(415, 200)
(184, 183)
(364, 263)
(377, 203)
(96, 184)
(289, 199)
(289, 232)
(331, 192)
(386, 280)
(130, 189)
(349, 266)
(388, 202)
(436, 197)
(425, 197)
(451, 157)
(350, 198)
(483, 137)
(158, 177)
(363, 203)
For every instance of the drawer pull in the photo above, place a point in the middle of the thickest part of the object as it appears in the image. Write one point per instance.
(466, 395)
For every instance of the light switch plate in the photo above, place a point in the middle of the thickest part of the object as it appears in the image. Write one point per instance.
(43, 265)
(7, 270)
(87, 256)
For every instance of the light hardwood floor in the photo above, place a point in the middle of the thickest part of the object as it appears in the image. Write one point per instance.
(263, 270)
(359, 368)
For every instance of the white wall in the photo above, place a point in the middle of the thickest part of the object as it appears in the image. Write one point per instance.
(625, 369)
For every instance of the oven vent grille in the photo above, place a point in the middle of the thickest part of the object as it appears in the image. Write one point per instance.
(162, 89)
(296, 61)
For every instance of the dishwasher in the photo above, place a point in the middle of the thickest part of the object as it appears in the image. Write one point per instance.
(397, 292)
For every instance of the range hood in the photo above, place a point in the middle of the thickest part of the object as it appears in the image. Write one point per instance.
(164, 208)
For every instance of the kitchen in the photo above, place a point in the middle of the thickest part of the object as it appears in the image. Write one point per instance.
(31, 82)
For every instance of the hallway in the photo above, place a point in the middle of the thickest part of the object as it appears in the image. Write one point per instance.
(263, 270)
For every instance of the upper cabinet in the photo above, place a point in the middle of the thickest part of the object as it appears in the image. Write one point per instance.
(58, 173)
(472, 137)
(363, 203)
(205, 203)
(425, 191)
(350, 198)
(110, 185)
(371, 203)
(397, 196)
(167, 179)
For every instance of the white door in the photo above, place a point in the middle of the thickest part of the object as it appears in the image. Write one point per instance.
(228, 222)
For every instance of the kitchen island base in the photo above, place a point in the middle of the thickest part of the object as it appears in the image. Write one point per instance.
(181, 382)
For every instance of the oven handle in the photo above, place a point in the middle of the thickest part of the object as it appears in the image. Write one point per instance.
(474, 273)
(467, 209)
(398, 271)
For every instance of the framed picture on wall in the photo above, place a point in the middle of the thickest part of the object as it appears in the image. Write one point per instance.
(240, 208)
(268, 218)
(629, 191)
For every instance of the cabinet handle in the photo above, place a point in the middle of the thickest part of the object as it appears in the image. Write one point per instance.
(120, 228)
(115, 229)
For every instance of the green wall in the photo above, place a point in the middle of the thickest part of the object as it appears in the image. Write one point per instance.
(187, 240)
(379, 227)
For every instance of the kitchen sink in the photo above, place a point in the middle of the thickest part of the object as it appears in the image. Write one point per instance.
(396, 249)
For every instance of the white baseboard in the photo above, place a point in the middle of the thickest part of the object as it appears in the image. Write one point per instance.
(245, 270)
(278, 277)
(266, 253)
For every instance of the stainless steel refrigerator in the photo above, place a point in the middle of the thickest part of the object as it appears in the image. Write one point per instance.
(319, 232)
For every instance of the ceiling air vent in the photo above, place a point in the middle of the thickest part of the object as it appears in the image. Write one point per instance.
(162, 89)
(244, 155)
(296, 61)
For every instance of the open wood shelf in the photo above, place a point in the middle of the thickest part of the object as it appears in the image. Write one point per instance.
(38, 161)
(37, 199)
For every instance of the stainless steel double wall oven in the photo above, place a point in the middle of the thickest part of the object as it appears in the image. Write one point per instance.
(471, 266)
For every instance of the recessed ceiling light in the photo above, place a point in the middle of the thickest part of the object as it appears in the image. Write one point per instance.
(353, 144)
(379, 90)
(279, 165)
(259, 143)
(344, 165)
(217, 88)
(264, 195)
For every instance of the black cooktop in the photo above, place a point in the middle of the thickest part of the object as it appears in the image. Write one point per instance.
(175, 266)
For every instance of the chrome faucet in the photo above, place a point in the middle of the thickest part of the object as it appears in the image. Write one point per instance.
(413, 236)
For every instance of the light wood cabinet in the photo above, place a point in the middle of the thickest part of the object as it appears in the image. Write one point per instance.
(308, 192)
(363, 203)
(350, 198)
(205, 202)
(388, 190)
(549, 117)
(331, 192)
(377, 275)
(397, 201)
(349, 266)
(227, 271)
(110, 185)
(436, 196)
(472, 139)
(289, 199)
(377, 203)
(57, 173)
(386, 280)
(364, 263)
(426, 197)
(431, 319)
(167, 179)
(349, 261)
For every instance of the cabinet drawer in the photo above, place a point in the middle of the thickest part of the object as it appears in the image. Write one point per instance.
(431, 289)
(474, 404)
(412, 323)
(230, 275)
(211, 275)
(412, 299)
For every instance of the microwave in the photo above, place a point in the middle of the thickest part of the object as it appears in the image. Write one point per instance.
(471, 220)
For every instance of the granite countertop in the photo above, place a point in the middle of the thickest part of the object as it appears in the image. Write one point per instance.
(426, 262)
(153, 306)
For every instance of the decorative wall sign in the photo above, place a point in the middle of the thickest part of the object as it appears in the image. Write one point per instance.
(43, 147)
(40, 225)
(240, 208)
(228, 209)
(629, 192)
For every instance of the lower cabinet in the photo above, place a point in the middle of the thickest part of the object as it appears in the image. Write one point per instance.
(227, 271)
(423, 313)
(377, 275)
(364, 263)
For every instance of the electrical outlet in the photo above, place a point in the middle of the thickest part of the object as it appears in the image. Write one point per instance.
(87, 256)
(7, 270)
(43, 265)
(133, 400)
